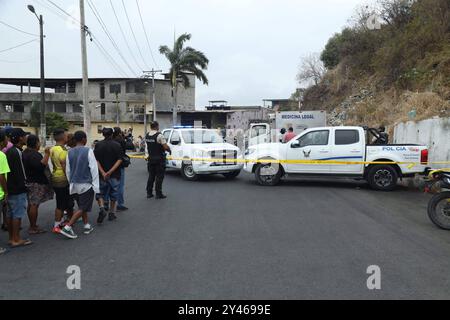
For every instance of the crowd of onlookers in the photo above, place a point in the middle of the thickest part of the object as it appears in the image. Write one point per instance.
(70, 172)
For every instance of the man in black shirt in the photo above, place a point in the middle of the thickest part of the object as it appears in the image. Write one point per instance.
(156, 146)
(17, 191)
(109, 155)
(119, 137)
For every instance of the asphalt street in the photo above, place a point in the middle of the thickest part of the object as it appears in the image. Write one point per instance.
(218, 239)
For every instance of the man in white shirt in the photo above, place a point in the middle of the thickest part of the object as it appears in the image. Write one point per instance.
(83, 176)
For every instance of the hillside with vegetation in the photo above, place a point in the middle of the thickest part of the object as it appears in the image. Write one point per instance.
(390, 64)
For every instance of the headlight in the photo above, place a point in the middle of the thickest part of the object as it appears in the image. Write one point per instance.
(249, 151)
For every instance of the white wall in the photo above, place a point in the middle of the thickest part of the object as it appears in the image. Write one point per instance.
(434, 133)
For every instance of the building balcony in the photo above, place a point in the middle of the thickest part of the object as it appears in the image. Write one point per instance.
(14, 116)
(49, 97)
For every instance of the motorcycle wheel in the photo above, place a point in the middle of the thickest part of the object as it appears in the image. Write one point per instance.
(439, 210)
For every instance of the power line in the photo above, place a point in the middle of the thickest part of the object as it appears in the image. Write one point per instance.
(108, 34)
(17, 29)
(134, 36)
(8, 61)
(96, 42)
(20, 45)
(53, 10)
(145, 32)
(65, 12)
(124, 37)
(108, 57)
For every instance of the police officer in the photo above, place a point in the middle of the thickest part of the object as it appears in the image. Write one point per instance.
(156, 146)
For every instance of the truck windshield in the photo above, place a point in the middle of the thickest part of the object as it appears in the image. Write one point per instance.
(201, 136)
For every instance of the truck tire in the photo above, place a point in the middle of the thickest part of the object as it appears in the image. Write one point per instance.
(187, 172)
(440, 217)
(231, 175)
(382, 177)
(267, 180)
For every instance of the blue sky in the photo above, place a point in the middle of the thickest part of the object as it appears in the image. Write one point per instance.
(254, 46)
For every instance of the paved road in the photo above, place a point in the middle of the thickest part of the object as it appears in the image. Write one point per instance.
(217, 239)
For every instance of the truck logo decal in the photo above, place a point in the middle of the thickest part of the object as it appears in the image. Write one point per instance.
(394, 149)
(306, 153)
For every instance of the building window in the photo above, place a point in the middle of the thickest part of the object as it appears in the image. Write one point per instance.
(134, 87)
(60, 108)
(129, 87)
(115, 88)
(102, 109)
(48, 107)
(72, 87)
(76, 108)
(60, 88)
(102, 91)
(139, 87)
(18, 107)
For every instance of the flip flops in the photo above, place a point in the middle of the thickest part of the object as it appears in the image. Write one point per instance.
(37, 231)
(25, 243)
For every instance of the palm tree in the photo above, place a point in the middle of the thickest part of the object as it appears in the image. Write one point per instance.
(183, 62)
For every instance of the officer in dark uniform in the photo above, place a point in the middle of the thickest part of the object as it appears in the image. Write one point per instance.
(156, 146)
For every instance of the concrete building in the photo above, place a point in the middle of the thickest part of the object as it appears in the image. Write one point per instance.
(110, 99)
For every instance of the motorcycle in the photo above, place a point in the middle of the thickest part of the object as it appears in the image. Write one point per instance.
(439, 206)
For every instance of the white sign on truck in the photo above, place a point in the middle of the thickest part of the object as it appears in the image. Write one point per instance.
(299, 121)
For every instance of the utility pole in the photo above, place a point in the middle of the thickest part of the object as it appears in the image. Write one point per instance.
(84, 64)
(153, 72)
(43, 132)
(43, 122)
(117, 110)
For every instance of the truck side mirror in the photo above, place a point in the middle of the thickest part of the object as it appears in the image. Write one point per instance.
(296, 144)
(175, 142)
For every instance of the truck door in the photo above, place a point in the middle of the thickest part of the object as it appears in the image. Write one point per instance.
(175, 144)
(259, 133)
(313, 145)
(348, 145)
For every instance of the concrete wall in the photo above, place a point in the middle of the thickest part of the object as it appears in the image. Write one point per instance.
(434, 133)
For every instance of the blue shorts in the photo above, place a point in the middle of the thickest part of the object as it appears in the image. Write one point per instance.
(110, 188)
(17, 206)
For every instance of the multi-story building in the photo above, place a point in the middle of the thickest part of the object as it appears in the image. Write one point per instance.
(112, 100)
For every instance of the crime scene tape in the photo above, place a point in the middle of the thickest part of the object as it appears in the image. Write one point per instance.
(316, 162)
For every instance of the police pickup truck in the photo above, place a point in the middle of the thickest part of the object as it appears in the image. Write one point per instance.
(199, 151)
(380, 164)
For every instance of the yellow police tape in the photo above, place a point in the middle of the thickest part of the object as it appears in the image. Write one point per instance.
(316, 162)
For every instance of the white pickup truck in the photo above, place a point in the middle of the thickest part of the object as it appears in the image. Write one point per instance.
(197, 144)
(345, 144)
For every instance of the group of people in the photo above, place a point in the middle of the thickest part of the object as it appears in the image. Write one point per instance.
(70, 172)
(287, 135)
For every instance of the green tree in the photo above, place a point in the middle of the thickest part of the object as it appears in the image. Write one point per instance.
(184, 61)
(55, 121)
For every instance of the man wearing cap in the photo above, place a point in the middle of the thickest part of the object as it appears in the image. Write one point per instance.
(17, 191)
(109, 155)
(8, 144)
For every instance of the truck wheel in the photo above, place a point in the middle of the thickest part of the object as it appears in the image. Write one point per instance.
(231, 175)
(266, 178)
(382, 177)
(188, 173)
